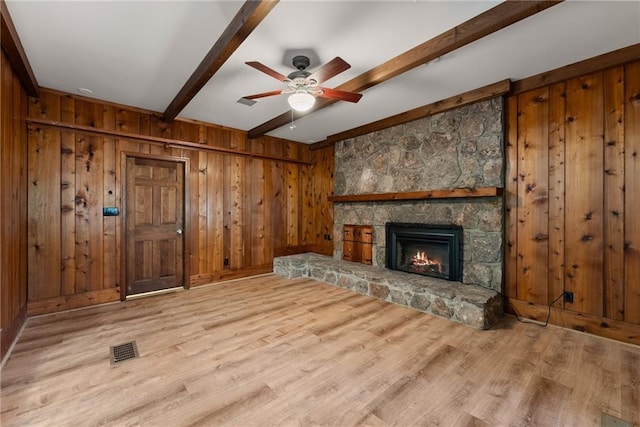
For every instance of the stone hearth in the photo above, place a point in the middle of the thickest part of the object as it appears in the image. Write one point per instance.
(471, 305)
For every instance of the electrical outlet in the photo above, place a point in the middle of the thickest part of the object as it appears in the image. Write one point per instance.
(568, 297)
(226, 261)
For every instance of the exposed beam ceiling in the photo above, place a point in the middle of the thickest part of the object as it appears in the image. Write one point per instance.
(494, 19)
(12, 47)
(246, 20)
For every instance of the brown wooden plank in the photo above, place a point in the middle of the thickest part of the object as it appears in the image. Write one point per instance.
(68, 201)
(556, 193)
(607, 60)
(511, 198)
(243, 23)
(292, 198)
(44, 203)
(215, 212)
(419, 195)
(533, 192)
(494, 19)
(69, 302)
(16, 55)
(13, 206)
(609, 328)
(632, 193)
(237, 207)
(614, 192)
(164, 142)
(471, 97)
(110, 254)
(584, 199)
(89, 194)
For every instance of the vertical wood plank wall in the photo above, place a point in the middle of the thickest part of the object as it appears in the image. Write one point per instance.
(573, 198)
(13, 206)
(242, 209)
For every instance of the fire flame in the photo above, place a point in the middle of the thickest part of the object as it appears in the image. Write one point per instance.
(421, 259)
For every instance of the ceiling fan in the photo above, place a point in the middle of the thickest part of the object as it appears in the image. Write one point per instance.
(303, 86)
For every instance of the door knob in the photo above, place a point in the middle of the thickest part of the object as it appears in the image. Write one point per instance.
(179, 231)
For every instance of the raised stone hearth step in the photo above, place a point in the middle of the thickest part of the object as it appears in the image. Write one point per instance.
(471, 305)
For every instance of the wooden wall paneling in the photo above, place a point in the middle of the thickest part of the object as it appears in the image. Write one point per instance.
(632, 192)
(215, 212)
(110, 254)
(89, 193)
(278, 209)
(13, 207)
(614, 212)
(322, 180)
(533, 191)
(258, 213)
(201, 228)
(292, 199)
(584, 197)
(511, 199)
(44, 202)
(20, 205)
(556, 193)
(68, 200)
(308, 226)
(237, 205)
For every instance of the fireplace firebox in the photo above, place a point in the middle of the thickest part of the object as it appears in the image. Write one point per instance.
(427, 249)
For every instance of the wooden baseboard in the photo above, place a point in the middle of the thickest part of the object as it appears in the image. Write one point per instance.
(68, 302)
(608, 328)
(292, 250)
(8, 335)
(205, 279)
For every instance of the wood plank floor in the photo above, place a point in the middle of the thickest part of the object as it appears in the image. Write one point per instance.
(272, 351)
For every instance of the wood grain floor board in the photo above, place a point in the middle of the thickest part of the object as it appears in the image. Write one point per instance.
(272, 351)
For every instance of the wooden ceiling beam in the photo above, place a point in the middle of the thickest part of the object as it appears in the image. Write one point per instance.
(494, 19)
(246, 20)
(12, 47)
(481, 94)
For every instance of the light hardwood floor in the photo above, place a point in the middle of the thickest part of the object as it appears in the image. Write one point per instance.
(272, 351)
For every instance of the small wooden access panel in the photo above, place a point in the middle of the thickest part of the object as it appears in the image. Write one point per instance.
(358, 244)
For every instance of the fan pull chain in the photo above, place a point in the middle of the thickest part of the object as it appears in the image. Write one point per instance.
(292, 126)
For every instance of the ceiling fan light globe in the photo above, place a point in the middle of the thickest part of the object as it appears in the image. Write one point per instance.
(301, 101)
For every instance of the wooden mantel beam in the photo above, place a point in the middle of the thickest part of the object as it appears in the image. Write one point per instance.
(494, 19)
(246, 20)
(12, 47)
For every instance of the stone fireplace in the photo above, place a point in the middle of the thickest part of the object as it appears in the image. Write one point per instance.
(454, 160)
(427, 249)
(460, 148)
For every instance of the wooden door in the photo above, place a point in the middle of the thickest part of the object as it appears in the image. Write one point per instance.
(154, 225)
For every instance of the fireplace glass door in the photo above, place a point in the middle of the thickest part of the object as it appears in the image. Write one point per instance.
(430, 250)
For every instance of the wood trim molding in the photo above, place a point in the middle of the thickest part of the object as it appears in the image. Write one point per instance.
(246, 20)
(481, 94)
(577, 69)
(208, 278)
(494, 19)
(12, 47)
(608, 328)
(10, 334)
(68, 302)
(420, 195)
(166, 142)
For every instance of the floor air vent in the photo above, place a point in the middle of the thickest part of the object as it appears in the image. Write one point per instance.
(122, 352)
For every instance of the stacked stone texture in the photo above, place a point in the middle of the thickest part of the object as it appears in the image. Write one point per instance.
(471, 305)
(460, 148)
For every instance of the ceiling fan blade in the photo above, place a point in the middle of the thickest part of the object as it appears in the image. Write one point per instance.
(273, 73)
(340, 94)
(262, 95)
(330, 69)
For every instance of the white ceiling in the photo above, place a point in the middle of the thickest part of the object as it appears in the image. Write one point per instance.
(140, 53)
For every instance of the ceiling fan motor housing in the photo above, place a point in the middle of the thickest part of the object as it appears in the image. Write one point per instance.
(301, 62)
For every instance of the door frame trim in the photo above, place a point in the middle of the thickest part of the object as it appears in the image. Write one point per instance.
(186, 248)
